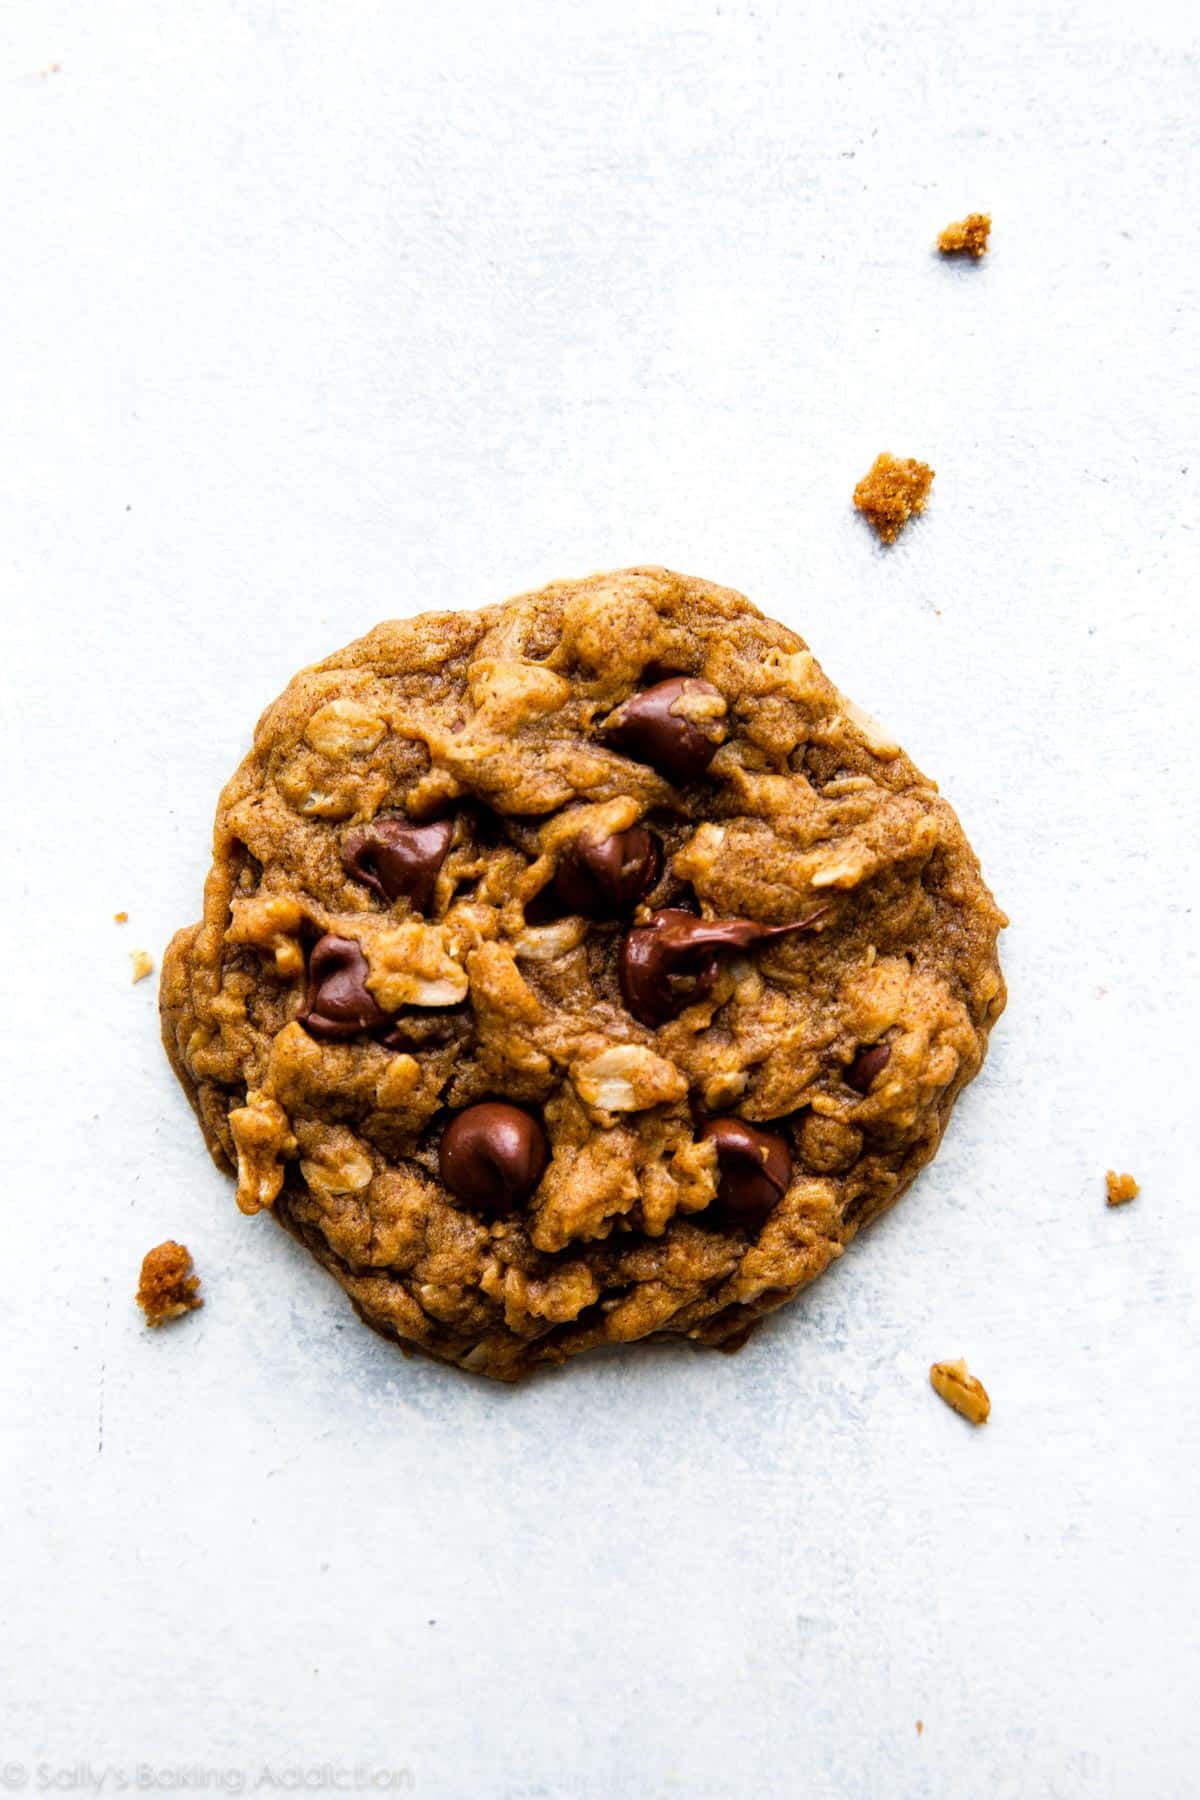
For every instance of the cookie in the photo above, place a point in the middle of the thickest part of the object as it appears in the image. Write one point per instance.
(579, 970)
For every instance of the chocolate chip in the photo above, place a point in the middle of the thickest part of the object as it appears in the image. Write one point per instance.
(603, 877)
(867, 1066)
(649, 727)
(491, 1157)
(397, 859)
(754, 1169)
(339, 1002)
(673, 961)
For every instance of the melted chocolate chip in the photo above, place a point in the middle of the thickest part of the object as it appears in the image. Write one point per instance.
(867, 1066)
(339, 1002)
(647, 727)
(754, 1169)
(673, 961)
(603, 877)
(491, 1157)
(398, 860)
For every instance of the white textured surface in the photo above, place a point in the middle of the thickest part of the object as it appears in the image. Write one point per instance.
(313, 313)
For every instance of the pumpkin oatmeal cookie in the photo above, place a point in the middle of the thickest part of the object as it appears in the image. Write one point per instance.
(579, 970)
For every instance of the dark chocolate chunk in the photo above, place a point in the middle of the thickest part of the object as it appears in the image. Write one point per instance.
(492, 1156)
(603, 877)
(754, 1168)
(397, 859)
(673, 961)
(648, 727)
(867, 1065)
(339, 1002)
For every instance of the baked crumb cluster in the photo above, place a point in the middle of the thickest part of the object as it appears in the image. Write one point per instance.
(167, 1288)
(892, 491)
(967, 236)
(1120, 1189)
(583, 969)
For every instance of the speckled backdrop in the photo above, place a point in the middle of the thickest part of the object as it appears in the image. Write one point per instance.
(316, 312)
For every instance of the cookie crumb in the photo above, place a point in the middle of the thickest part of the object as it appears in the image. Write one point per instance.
(1121, 1188)
(166, 1286)
(143, 964)
(961, 1390)
(891, 491)
(966, 237)
(920, 1727)
(121, 918)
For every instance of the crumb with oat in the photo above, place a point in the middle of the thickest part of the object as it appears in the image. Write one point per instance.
(966, 237)
(143, 964)
(892, 491)
(167, 1286)
(1121, 1188)
(961, 1390)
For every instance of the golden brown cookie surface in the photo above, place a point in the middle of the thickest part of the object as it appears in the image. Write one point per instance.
(578, 970)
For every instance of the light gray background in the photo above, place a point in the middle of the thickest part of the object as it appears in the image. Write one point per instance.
(313, 313)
